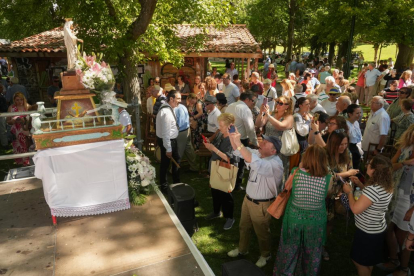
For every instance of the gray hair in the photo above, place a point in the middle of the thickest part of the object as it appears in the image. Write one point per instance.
(330, 80)
(312, 98)
(336, 71)
(298, 88)
(327, 68)
(380, 99)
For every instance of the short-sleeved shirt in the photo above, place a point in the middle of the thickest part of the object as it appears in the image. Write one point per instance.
(213, 125)
(124, 119)
(257, 87)
(329, 106)
(355, 135)
(378, 124)
(371, 77)
(323, 76)
(231, 92)
(372, 220)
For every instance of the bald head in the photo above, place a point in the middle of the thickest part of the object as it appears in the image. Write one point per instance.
(343, 103)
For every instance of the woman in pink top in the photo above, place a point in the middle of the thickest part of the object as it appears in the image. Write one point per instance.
(405, 79)
(359, 89)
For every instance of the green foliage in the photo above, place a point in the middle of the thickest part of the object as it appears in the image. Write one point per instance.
(109, 28)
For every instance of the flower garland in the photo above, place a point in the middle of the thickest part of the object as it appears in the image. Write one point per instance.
(140, 173)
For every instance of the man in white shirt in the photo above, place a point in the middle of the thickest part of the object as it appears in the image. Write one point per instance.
(230, 90)
(329, 104)
(299, 93)
(219, 81)
(241, 110)
(265, 178)
(232, 71)
(167, 132)
(213, 113)
(371, 76)
(270, 93)
(377, 126)
(314, 105)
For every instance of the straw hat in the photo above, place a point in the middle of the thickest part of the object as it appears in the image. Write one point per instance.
(168, 87)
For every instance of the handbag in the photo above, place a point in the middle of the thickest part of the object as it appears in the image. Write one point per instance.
(223, 176)
(290, 144)
(277, 208)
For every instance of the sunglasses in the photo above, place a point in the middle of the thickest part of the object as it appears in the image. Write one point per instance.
(281, 103)
(404, 93)
(332, 94)
(341, 130)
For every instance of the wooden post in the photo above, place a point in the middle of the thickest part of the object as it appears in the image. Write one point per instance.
(241, 74)
(256, 65)
(248, 68)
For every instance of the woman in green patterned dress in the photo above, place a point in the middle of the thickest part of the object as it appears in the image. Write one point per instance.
(304, 223)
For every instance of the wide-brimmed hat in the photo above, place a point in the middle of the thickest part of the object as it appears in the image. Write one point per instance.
(334, 90)
(168, 87)
(275, 141)
(271, 66)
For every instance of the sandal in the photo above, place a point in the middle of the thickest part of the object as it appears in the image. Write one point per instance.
(390, 266)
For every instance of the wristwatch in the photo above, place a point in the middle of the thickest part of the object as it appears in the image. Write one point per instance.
(316, 132)
(240, 147)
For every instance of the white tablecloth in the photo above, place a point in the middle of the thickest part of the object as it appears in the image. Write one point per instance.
(86, 179)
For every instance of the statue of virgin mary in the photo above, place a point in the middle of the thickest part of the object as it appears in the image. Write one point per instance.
(70, 43)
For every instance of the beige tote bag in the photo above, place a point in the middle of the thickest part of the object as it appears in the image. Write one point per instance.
(223, 176)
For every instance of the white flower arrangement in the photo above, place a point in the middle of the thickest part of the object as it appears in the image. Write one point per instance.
(95, 74)
(140, 174)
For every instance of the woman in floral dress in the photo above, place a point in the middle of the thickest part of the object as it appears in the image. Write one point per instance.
(19, 127)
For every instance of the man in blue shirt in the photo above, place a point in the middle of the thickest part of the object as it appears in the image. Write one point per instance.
(315, 82)
(185, 148)
(292, 66)
(14, 88)
(371, 77)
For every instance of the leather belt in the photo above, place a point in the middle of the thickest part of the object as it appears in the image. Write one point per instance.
(184, 129)
(257, 201)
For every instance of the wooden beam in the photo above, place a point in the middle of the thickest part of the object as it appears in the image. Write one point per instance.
(32, 54)
(225, 55)
(241, 76)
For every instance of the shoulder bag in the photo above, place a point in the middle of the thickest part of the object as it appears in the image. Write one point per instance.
(277, 208)
(290, 144)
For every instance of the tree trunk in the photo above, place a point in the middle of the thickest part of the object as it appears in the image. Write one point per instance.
(404, 57)
(376, 46)
(291, 28)
(331, 53)
(132, 91)
(343, 48)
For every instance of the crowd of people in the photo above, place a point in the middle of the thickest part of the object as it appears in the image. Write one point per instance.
(346, 161)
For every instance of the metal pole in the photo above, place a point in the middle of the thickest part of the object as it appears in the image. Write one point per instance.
(347, 72)
(138, 123)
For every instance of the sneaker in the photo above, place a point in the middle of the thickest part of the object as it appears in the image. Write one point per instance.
(229, 224)
(235, 253)
(262, 261)
(213, 216)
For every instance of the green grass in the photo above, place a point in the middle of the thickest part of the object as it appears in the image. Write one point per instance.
(368, 52)
(214, 242)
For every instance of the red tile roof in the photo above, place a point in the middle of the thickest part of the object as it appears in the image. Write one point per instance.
(49, 41)
(232, 39)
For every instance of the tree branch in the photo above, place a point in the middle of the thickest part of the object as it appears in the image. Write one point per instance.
(111, 9)
(140, 25)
